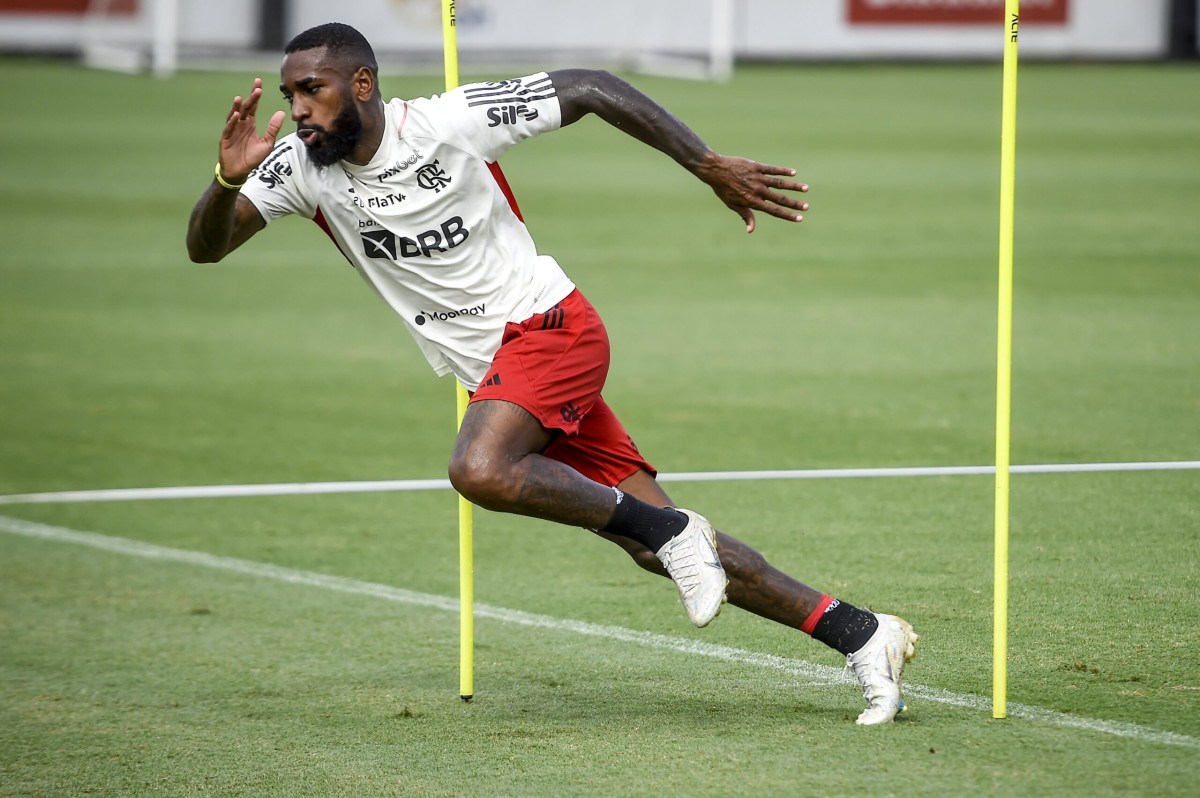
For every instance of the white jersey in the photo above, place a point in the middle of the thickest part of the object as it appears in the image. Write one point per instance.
(428, 223)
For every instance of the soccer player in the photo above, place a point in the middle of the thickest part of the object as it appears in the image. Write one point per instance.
(409, 192)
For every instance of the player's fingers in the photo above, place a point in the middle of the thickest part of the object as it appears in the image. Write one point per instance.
(747, 217)
(786, 201)
(274, 126)
(782, 213)
(777, 209)
(251, 103)
(768, 169)
(786, 185)
(230, 124)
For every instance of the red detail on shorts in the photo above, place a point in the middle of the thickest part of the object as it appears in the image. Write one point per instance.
(494, 168)
(810, 622)
(554, 365)
(550, 362)
(319, 218)
(601, 450)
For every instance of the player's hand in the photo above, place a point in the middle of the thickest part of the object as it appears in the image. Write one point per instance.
(242, 149)
(747, 186)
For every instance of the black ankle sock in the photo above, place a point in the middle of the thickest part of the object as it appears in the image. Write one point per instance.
(649, 525)
(845, 627)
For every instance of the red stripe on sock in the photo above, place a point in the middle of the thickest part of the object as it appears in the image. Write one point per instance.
(810, 622)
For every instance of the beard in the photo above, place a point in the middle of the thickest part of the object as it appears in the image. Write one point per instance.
(339, 140)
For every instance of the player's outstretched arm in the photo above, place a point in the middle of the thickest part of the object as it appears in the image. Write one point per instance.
(223, 219)
(744, 186)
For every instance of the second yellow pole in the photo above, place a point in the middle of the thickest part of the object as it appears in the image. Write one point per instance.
(466, 522)
(1008, 152)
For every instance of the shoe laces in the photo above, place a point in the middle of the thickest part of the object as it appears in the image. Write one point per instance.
(874, 673)
(682, 563)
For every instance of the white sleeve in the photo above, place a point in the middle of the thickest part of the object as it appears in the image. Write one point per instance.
(279, 186)
(486, 119)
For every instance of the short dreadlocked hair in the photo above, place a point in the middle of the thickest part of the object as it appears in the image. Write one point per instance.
(343, 42)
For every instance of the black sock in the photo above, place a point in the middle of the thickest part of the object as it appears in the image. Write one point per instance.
(649, 525)
(845, 628)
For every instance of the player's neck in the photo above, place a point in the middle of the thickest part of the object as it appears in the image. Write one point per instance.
(374, 121)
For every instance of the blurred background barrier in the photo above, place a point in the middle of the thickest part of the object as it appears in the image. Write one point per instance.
(695, 38)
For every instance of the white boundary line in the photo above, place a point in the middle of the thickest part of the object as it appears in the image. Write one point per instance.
(813, 674)
(395, 485)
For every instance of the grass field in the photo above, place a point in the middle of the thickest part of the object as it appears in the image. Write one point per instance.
(307, 645)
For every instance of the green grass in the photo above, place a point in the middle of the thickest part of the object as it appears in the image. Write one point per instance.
(865, 337)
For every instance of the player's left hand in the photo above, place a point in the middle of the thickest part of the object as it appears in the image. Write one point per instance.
(747, 186)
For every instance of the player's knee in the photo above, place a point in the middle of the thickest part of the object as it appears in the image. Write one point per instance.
(481, 478)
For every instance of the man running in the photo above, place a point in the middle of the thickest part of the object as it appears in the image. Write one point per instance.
(409, 192)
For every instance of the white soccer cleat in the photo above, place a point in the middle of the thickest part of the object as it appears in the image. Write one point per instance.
(879, 666)
(691, 559)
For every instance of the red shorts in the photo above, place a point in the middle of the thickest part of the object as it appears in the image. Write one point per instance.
(554, 365)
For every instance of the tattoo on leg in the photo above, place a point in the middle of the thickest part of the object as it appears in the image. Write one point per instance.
(758, 587)
(559, 493)
(754, 584)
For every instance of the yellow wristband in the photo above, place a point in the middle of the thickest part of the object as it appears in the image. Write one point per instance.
(224, 183)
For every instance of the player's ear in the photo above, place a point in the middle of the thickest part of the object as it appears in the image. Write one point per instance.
(363, 84)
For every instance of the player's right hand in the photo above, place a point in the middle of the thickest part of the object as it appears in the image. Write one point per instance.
(242, 149)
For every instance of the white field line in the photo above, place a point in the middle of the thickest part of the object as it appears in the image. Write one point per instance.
(813, 674)
(382, 486)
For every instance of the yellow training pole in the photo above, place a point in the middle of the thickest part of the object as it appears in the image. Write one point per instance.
(466, 532)
(466, 581)
(1008, 161)
(450, 44)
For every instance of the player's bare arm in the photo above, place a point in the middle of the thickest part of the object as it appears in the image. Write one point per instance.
(223, 219)
(745, 186)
